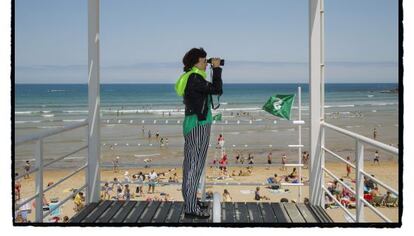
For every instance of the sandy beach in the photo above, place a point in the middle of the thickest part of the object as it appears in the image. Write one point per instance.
(125, 135)
(387, 172)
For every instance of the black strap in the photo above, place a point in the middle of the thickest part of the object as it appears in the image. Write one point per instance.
(211, 97)
(212, 103)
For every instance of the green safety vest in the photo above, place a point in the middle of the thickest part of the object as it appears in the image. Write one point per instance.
(191, 121)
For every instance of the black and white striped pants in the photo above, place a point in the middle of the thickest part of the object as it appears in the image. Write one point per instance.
(195, 153)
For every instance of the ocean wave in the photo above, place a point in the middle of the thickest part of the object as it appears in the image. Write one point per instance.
(27, 121)
(79, 120)
(48, 115)
(50, 127)
(56, 90)
(147, 155)
(76, 111)
(25, 112)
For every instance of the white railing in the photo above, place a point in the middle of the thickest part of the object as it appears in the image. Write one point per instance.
(360, 141)
(39, 167)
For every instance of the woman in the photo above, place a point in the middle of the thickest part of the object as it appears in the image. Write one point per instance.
(196, 91)
(226, 196)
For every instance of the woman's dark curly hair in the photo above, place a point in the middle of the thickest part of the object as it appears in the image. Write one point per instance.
(192, 56)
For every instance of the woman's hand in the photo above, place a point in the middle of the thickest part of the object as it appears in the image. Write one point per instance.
(215, 62)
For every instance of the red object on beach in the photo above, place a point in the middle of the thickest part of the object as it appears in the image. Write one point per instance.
(368, 197)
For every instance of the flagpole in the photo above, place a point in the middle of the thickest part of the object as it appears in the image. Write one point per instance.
(300, 142)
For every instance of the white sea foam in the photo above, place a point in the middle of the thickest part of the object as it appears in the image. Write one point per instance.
(147, 155)
(51, 127)
(76, 111)
(27, 121)
(79, 120)
(48, 115)
(25, 112)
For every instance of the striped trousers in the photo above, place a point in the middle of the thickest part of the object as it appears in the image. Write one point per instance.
(195, 153)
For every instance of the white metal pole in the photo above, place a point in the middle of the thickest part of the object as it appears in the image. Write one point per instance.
(359, 154)
(315, 81)
(39, 181)
(300, 143)
(93, 172)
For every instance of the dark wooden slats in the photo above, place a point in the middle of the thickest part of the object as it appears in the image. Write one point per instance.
(109, 214)
(293, 213)
(306, 213)
(84, 213)
(172, 212)
(123, 213)
(325, 215)
(149, 212)
(98, 211)
(136, 212)
(228, 214)
(241, 213)
(255, 214)
(280, 213)
(162, 212)
(175, 213)
(267, 213)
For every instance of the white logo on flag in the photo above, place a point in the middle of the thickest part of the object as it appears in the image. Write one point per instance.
(278, 103)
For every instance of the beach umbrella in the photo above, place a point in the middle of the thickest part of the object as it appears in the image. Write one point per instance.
(280, 105)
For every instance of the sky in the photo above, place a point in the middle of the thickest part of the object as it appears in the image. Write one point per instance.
(262, 41)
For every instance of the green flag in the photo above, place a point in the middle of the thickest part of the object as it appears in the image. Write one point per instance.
(280, 105)
(217, 117)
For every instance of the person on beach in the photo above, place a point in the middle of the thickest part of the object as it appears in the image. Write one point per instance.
(305, 158)
(376, 158)
(220, 141)
(284, 157)
(196, 92)
(116, 184)
(149, 134)
(115, 165)
(17, 188)
(269, 160)
(157, 135)
(374, 134)
(105, 191)
(79, 202)
(348, 167)
(237, 158)
(258, 196)
(293, 174)
(27, 167)
(166, 142)
(140, 183)
(226, 196)
(143, 130)
(127, 193)
(152, 180)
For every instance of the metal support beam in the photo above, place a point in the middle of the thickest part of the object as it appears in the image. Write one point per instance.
(93, 174)
(316, 81)
(359, 154)
(39, 181)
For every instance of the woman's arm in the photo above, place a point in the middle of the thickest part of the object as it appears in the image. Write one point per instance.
(199, 84)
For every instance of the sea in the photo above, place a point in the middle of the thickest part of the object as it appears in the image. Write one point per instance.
(42, 107)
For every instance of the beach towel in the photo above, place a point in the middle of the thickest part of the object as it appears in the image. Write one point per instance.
(246, 192)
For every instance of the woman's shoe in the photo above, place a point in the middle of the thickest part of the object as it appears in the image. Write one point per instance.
(202, 205)
(201, 214)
